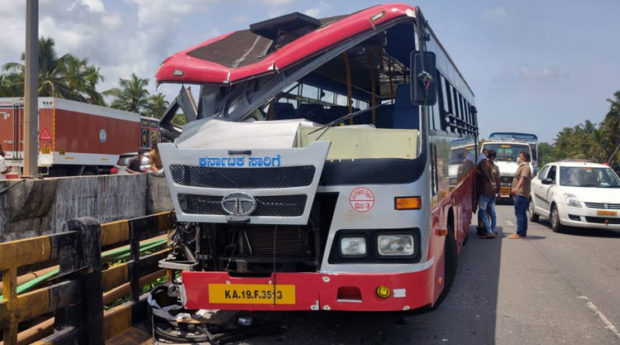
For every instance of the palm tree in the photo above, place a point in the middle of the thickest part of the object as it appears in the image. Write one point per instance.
(8, 86)
(156, 106)
(91, 78)
(132, 94)
(82, 79)
(64, 77)
(610, 129)
(51, 71)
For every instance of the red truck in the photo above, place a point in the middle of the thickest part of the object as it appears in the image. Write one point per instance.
(75, 138)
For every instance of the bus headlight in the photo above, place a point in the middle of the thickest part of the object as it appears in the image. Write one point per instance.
(395, 245)
(353, 246)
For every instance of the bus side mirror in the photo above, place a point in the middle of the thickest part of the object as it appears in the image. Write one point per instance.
(424, 85)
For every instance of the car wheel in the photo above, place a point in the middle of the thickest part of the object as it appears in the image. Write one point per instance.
(556, 226)
(532, 213)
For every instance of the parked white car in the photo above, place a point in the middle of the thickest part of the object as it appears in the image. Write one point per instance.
(577, 194)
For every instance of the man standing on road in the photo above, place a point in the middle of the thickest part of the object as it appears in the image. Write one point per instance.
(486, 201)
(521, 186)
(480, 229)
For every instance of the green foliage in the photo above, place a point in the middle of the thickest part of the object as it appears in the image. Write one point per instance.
(598, 143)
(546, 153)
(156, 105)
(179, 119)
(65, 77)
(131, 95)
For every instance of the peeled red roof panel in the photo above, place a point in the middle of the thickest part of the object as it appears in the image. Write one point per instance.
(242, 54)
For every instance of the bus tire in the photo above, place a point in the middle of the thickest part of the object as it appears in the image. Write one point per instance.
(450, 264)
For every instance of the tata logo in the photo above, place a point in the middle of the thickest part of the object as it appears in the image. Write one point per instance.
(238, 204)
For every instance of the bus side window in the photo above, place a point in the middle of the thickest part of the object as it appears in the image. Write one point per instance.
(434, 176)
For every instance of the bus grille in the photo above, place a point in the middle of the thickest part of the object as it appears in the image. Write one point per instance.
(506, 179)
(266, 206)
(290, 242)
(603, 206)
(208, 177)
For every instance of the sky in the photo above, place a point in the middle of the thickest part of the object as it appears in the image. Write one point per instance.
(534, 66)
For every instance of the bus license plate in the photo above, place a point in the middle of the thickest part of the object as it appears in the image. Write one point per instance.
(606, 213)
(251, 294)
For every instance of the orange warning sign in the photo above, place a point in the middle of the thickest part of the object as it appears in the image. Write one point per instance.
(45, 135)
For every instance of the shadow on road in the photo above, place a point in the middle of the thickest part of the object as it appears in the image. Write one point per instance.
(529, 237)
(504, 202)
(585, 232)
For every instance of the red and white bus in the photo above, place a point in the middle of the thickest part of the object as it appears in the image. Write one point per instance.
(315, 172)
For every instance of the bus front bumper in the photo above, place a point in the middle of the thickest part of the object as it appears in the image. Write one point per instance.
(310, 291)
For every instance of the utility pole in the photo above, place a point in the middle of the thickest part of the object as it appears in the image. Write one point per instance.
(31, 86)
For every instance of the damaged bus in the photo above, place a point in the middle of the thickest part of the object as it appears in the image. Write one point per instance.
(312, 173)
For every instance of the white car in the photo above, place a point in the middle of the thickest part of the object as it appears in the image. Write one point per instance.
(576, 194)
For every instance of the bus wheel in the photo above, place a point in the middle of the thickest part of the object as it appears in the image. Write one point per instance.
(450, 264)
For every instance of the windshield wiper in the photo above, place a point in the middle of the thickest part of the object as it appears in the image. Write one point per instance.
(331, 124)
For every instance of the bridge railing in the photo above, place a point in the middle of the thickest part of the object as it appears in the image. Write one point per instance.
(75, 298)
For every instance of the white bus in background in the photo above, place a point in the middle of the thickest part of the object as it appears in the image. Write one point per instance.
(507, 152)
(530, 139)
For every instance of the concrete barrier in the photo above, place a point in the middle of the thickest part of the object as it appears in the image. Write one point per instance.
(41, 207)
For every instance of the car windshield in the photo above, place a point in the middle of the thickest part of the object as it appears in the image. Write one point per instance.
(507, 152)
(588, 177)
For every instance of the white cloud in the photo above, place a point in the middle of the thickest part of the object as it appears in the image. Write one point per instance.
(162, 12)
(537, 73)
(528, 73)
(319, 10)
(277, 2)
(497, 16)
(13, 8)
(93, 5)
(66, 39)
(243, 19)
(112, 22)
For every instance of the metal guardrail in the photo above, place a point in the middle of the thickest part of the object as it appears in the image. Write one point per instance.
(75, 298)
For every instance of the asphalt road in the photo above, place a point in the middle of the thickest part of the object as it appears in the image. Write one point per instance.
(551, 288)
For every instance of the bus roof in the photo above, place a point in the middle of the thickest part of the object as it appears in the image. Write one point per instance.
(513, 135)
(226, 59)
